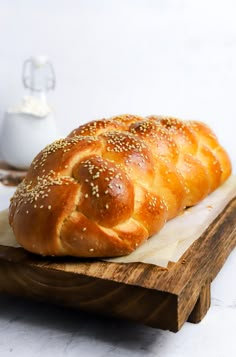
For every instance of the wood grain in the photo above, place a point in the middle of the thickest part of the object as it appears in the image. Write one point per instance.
(202, 305)
(10, 176)
(158, 297)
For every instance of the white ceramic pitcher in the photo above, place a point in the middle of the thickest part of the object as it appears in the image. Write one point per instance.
(28, 128)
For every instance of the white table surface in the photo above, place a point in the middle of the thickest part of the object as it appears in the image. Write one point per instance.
(117, 56)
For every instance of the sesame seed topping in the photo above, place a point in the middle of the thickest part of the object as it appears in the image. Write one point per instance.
(62, 144)
(29, 193)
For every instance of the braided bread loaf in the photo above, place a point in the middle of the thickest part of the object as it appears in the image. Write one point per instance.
(111, 184)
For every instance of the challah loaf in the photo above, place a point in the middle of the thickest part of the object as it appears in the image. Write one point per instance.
(111, 184)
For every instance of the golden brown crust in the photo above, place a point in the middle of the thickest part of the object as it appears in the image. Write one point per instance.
(111, 184)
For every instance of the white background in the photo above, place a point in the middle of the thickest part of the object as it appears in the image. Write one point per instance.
(124, 56)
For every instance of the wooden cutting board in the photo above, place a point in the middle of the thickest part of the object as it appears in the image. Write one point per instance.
(10, 176)
(158, 297)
